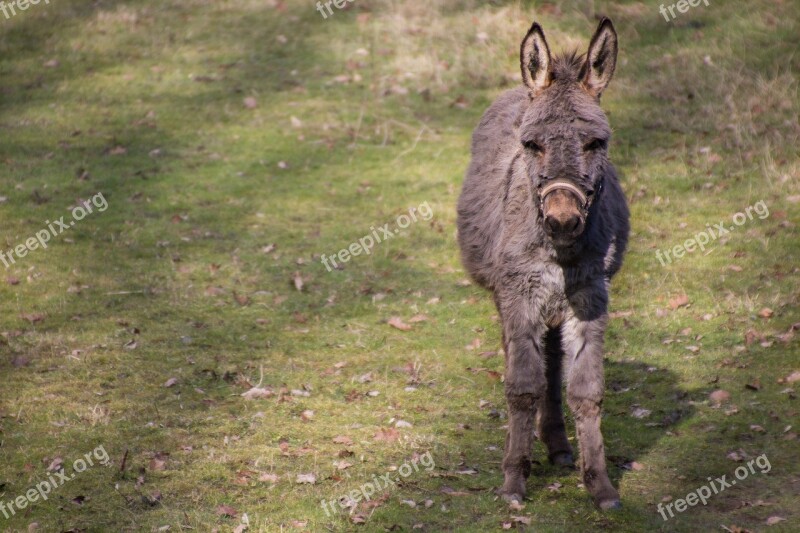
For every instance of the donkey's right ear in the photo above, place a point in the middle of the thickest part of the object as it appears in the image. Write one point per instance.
(534, 57)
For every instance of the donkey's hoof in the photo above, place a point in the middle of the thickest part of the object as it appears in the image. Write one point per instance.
(563, 459)
(610, 505)
(512, 490)
(511, 498)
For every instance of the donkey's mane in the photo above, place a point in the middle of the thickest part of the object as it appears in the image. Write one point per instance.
(568, 66)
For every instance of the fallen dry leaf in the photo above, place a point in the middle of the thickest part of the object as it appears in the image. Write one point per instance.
(227, 510)
(765, 312)
(387, 435)
(397, 322)
(306, 478)
(297, 279)
(772, 520)
(678, 301)
(257, 392)
(791, 378)
(718, 397)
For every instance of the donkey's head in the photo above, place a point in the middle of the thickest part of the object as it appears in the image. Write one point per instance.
(563, 131)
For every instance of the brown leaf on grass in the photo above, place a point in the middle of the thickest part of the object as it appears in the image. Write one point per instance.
(256, 393)
(735, 529)
(268, 248)
(678, 301)
(342, 439)
(754, 385)
(241, 299)
(452, 492)
(418, 318)
(56, 464)
(268, 478)
(11, 280)
(158, 462)
(751, 336)
(387, 435)
(493, 374)
(297, 279)
(33, 318)
(791, 378)
(718, 397)
(306, 478)
(620, 314)
(766, 313)
(250, 102)
(737, 456)
(214, 291)
(227, 510)
(474, 345)
(522, 520)
(772, 520)
(342, 465)
(397, 322)
(307, 415)
(171, 382)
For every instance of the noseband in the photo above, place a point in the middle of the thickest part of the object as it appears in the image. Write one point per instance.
(586, 200)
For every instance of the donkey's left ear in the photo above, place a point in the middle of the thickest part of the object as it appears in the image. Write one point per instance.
(601, 59)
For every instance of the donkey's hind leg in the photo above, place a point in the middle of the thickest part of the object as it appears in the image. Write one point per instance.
(550, 415)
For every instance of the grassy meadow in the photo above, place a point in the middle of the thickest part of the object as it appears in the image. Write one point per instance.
(192, 333)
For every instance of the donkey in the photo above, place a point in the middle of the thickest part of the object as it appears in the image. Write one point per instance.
(543, 224)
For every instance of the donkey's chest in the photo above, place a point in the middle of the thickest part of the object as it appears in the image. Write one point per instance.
(544, 290)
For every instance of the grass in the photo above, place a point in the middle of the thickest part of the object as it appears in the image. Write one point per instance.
(216, 129)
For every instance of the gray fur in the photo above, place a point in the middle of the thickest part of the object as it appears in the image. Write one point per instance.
(552, 299)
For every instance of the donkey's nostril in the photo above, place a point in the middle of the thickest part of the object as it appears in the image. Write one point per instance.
(573, 223)
(564, 226)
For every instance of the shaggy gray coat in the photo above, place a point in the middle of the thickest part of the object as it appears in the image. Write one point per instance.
(552, 298)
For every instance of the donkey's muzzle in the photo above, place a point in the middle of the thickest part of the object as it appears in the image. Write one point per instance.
(564, 219)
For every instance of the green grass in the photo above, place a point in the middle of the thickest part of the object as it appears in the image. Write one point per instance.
(171, 281)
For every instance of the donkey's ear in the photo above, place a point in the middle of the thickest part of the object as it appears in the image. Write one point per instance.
(534, 57)
(601, 59)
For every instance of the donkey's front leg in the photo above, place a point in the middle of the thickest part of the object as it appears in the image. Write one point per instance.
(524, 384)
(583, 344)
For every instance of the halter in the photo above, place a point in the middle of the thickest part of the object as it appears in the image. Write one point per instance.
(586, 200)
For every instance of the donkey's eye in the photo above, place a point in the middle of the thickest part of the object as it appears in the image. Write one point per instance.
(533, 146)
(595, 145)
